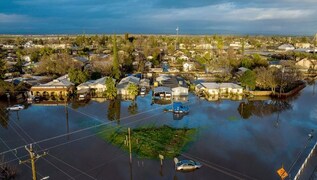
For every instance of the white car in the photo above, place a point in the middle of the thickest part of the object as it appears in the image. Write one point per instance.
(15, 107)
(187, 165)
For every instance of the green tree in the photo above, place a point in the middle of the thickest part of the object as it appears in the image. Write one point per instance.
(111, 90)
(248, 79)
(133, 89)
(3, 68)
(247, 62)
(77, 76)
(115, 68)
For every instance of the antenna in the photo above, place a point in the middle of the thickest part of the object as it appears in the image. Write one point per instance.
(176, 44)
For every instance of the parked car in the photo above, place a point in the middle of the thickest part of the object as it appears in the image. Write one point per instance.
(15, 107)
(187, 165)
(37, 99)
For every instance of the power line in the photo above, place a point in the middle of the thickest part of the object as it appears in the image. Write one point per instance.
(40, 148)
(61, 144)
(82, 172)
(84, 129)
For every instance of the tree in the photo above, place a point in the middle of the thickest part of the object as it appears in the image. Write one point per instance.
(247, 62)
(111, 90)
(77, 76)
(266, 78)
(115, 68)
(3, 68)
(133, 89)
(248, 79)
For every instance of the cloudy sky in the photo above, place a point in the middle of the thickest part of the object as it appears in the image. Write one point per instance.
(286, 17)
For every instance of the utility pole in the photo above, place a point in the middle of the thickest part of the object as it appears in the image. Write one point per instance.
(33, 158)
(130, 148)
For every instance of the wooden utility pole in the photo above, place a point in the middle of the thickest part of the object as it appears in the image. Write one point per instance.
(33, 158)
(130, 148)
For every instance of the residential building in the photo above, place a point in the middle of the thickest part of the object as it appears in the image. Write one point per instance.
(96, 87)
(188, 66)
(215, 91)
(58, 89)
(286, 47)
(122, 87)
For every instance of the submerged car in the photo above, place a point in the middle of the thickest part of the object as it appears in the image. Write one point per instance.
(15, 107)
(187, 165)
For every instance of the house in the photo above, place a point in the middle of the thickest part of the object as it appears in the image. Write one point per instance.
(148, 65)
(204, 46)
(214, 90)
(177, 85)
(180, 91)
(306, 64)
(286, 47)
(162, 92)
(145, 83)
(28, 44)
(122, 87)
(95, 87)
(188, 66)
(58, 89)
(81, 60)
(302, 45)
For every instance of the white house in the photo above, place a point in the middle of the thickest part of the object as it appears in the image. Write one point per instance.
(122, 87)
(188, 66)
(97, 87)
(286, 47)
(179, 91)
(219, 88)
(144, 83)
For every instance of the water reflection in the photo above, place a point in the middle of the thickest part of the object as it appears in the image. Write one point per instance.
(133, 108)
(114, 110)
(4, 116)
(178, 116)
(263, 108)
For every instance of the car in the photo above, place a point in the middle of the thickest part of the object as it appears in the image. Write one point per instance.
(15, 107)
(37, 99)
(187, 165)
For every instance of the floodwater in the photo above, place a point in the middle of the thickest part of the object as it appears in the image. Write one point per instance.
(235, 139)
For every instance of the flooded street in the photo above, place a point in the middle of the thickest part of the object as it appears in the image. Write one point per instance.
(235, 139)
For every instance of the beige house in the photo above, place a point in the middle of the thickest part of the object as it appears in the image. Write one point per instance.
(96, 87)
(58, 89)
(214, 91)
(306, 64)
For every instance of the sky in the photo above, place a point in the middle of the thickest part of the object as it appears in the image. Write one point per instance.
(267, 17)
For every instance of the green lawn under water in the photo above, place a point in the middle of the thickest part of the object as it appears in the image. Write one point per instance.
(150, 142)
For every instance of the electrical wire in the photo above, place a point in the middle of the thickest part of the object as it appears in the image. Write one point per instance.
(84, 129)
(39, 147)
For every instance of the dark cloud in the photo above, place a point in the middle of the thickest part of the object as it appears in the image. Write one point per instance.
(159, 16)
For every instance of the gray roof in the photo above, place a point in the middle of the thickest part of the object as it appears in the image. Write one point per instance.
(81, 59)
(162, 89)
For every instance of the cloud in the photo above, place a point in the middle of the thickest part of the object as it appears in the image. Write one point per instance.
(230, 12)
(12, 18)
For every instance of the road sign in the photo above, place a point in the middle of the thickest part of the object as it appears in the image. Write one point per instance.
(282, 173)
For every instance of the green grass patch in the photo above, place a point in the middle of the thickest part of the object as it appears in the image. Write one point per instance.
(149, 142)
